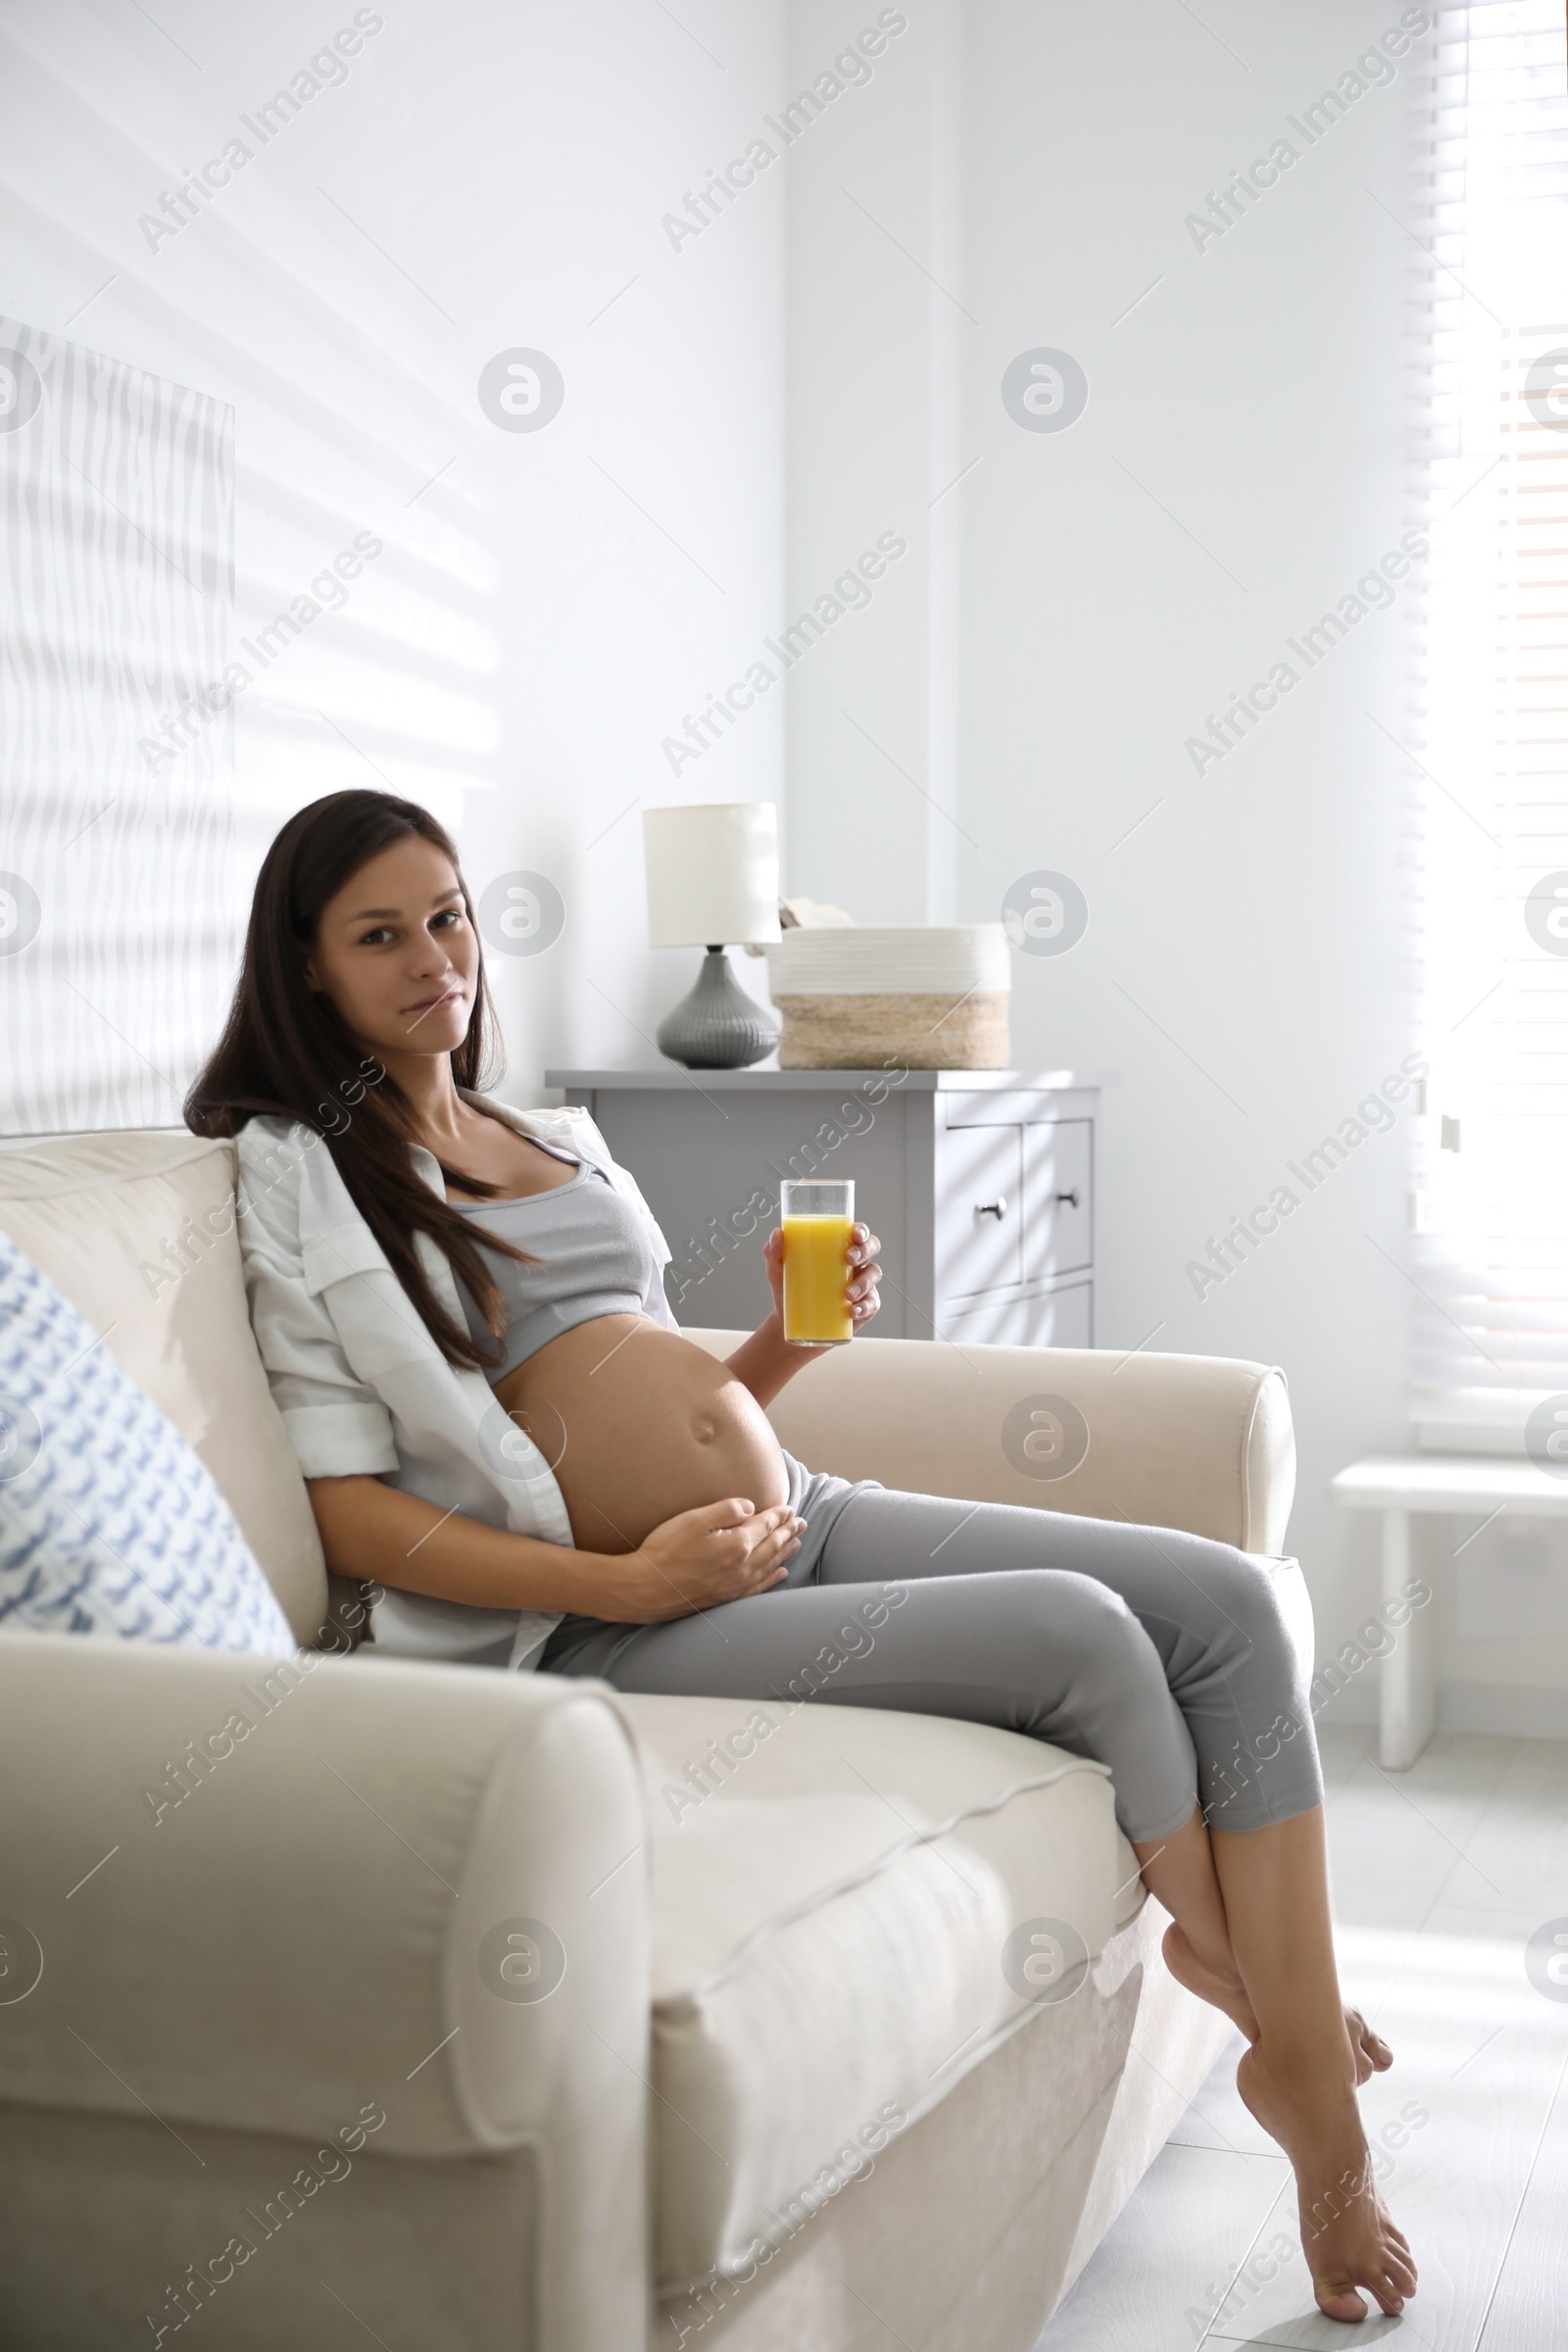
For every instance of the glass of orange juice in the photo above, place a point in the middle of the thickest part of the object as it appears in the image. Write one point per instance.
(819, 1218)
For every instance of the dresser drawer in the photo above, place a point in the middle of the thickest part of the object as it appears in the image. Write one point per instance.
(979, 1211)
(1058, 1181)
(1061, 1318)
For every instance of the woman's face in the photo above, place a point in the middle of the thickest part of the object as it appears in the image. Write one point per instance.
(395, 955)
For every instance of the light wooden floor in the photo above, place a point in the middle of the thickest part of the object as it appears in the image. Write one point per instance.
(1440, 1876)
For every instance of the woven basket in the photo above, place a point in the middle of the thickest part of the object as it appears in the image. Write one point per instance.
(922, 1033)
(929, 999)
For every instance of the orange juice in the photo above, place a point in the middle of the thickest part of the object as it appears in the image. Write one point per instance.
(817, 1271)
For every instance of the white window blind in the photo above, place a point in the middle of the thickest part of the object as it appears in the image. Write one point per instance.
(1490, 727)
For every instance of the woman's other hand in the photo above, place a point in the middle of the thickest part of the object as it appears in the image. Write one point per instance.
(861, 1286)
(721, 1552)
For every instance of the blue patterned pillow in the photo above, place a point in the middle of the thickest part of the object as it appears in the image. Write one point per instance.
(108, 1522)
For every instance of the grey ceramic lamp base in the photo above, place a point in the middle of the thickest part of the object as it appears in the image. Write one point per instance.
(717, 1026)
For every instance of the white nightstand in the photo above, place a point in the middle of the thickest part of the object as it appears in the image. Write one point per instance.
(980, 1183)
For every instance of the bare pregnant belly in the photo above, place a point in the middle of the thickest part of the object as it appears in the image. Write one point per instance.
(639, 1425)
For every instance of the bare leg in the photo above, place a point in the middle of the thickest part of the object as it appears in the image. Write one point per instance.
(1300, 2077)
(1180, 1871)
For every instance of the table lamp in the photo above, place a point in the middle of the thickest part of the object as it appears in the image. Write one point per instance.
(712, 882)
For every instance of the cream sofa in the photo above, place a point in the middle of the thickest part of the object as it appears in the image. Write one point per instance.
(479, 2011)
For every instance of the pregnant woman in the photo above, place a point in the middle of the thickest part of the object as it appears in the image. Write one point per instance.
(462, 1313)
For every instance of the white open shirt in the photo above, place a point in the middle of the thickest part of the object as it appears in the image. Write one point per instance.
(363, 1389)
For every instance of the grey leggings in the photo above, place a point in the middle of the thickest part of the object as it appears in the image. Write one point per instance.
(1161, 1654)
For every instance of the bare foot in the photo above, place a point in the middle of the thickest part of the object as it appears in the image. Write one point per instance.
(1368, 2048)
(1351, 2245)
(1223, 1989)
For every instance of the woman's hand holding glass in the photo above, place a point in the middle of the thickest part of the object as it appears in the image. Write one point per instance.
(864, 1274)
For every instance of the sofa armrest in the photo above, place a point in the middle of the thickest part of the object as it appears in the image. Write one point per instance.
(1196, 1441)
(314, 1934)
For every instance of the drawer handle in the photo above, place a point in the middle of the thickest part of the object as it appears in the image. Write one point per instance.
(992, 1208)
(1072, 1196)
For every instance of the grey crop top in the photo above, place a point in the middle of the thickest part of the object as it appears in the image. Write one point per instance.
(598, 1260)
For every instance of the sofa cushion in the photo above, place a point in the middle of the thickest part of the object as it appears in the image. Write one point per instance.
(108, 1522)
(851, 1907)
(112, 1219)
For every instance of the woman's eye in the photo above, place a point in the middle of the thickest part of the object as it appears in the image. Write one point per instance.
(448, 916)
(374, 939)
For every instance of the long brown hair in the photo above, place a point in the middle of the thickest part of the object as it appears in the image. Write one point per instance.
(286, 1053)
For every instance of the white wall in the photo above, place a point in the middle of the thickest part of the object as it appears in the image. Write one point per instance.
(1245, 968)
(484, 177)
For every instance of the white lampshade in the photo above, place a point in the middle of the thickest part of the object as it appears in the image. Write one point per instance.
(712, 874)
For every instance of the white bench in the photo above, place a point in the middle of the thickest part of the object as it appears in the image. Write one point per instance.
(1452, 1484)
